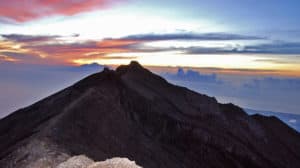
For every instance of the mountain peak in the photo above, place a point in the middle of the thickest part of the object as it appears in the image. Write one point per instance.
(133, 66)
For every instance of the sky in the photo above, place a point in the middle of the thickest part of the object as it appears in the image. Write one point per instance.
(246, 52)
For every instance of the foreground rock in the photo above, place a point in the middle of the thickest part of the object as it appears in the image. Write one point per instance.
(115, 163)
(82, 161)
(136, 114)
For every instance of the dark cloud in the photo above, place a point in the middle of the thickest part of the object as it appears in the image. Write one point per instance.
(275, 48)
(21, 38)
(191, 36)
(270, 48)
(29, 38)
(209, 50)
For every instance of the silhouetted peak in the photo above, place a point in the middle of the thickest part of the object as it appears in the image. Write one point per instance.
(134, 66)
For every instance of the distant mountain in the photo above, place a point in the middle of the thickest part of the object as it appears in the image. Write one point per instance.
(133, 113)
(293, 120)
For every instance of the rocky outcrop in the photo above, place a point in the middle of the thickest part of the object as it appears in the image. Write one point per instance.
(81, 161)
(115, 163)
(136, 114)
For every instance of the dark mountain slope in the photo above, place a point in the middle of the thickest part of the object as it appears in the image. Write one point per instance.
(288, 118)
(133, 113)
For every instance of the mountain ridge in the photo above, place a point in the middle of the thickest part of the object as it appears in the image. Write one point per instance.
(131, 112)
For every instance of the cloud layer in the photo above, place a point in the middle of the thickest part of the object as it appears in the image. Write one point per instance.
(56, 49)
(265, 93)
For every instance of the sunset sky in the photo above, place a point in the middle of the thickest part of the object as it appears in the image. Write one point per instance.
(249, 40)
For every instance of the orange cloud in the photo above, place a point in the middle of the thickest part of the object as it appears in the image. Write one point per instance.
(68, 52)
(27, 10)
(53, 50)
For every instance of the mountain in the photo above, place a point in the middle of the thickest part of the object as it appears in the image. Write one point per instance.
(133, 113)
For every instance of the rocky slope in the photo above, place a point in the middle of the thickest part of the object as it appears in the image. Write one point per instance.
(133, 113)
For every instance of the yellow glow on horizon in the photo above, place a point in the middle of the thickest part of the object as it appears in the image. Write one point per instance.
(225, 62)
